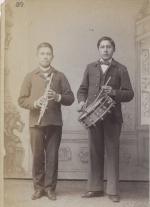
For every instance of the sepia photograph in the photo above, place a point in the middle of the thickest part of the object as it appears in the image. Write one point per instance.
(74, 103)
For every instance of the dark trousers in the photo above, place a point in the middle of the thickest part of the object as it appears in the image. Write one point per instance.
(104, 136)
(45, 142)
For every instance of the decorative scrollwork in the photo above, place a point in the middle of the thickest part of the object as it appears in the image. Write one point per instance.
(65, 153)
(83, 154)
(14, 151)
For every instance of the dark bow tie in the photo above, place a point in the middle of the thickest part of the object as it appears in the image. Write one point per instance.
(104, 62)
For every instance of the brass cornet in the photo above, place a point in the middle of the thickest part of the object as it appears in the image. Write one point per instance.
(45, 103)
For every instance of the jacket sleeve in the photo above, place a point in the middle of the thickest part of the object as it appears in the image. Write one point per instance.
(24, 99)
(67, 96)
(82, 92)
(125, 93)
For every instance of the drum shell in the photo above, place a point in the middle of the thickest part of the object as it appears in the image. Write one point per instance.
(97, 111)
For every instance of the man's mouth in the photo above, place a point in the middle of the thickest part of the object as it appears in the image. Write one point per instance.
(45, 61)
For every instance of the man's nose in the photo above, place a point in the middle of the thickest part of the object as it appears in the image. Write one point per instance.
(45, 56)
(105, 49)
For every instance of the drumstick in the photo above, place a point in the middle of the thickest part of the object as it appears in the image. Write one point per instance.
(108, 81)
(102, 90)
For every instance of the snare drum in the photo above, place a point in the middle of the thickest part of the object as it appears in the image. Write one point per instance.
(97, 110)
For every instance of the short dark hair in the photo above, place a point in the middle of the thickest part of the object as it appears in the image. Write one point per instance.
(106, 38)
(45, 44)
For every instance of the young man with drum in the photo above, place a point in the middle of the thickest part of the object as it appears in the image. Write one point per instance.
(105, 133)
(43, 92)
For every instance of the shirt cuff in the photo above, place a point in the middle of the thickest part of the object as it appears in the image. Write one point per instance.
(58, 98)
(35, 106)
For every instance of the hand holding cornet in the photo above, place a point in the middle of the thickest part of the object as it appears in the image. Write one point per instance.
(39, 102)
(52, 95)
(106, 89)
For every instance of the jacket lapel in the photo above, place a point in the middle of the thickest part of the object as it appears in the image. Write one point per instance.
(97, 73)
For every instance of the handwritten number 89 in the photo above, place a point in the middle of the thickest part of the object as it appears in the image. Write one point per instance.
(19, 4)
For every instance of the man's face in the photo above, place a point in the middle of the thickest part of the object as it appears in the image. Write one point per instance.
(106, 50)
(45, 56)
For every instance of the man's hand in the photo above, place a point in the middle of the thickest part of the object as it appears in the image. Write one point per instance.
(52, 95)
(107, 89)
(38, 103)
(80, 106)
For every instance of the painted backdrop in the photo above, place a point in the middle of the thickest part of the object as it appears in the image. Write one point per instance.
(73, 28)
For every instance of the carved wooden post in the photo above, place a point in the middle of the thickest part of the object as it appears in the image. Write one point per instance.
(143, 46)
(143, 67)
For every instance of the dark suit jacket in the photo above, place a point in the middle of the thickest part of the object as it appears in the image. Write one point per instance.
(34, 86)
(120, 83)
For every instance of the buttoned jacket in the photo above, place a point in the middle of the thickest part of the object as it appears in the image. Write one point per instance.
(120, 82)
(34, 86)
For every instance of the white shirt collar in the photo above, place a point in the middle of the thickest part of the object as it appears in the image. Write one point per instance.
(45, 70)
(102, 60)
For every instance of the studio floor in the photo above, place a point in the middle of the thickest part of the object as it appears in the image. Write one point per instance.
(17, 193)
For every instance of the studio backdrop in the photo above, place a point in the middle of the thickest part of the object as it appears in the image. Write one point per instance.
(73, 28)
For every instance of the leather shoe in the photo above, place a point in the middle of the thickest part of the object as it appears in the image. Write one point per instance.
(37, 194)
(114, 198)
(91, 194)
(51, 195)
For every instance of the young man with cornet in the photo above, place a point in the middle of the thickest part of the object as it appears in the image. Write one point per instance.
(43, 92)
